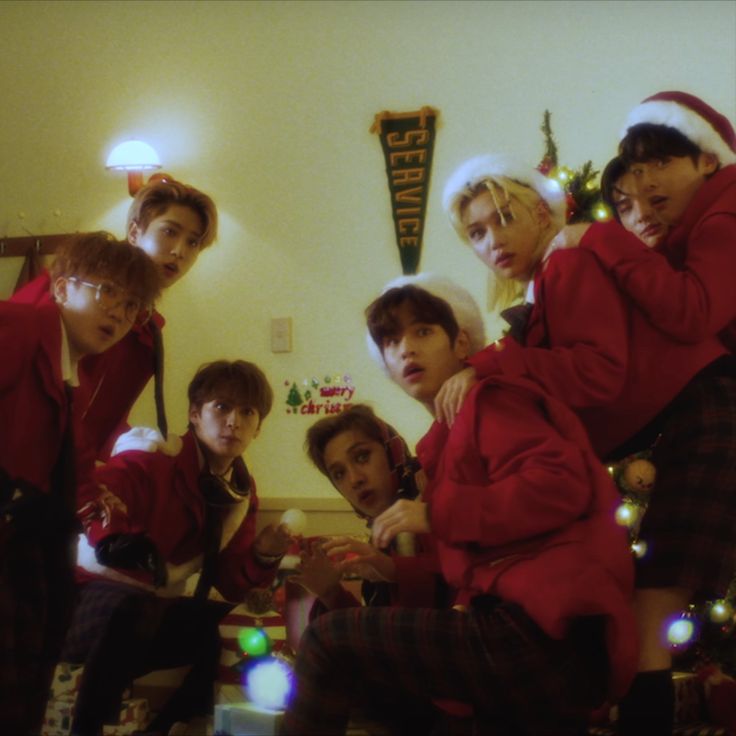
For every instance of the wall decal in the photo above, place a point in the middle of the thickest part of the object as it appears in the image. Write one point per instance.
(319, 397)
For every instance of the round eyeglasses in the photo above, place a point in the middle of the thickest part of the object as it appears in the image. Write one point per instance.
(109, 296)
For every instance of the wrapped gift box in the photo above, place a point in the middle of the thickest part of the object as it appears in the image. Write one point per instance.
(689, 698)
(689, 702)
(59, 712)
(58, 718)
(246, 719)
(133, 717)
(66, 680)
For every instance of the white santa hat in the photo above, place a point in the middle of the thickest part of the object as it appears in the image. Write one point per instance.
(494, 166)
(464, 309)
(696, 120)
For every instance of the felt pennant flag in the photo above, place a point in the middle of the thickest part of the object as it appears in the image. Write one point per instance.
(407, 139)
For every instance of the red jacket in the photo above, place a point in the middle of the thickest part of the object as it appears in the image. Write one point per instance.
(34, 409)
(691, 294)
(522, 509)
(590, 349)
(112, 380)
(577, 338)
(159, 494)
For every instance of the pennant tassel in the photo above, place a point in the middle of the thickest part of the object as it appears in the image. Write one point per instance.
(407, 140)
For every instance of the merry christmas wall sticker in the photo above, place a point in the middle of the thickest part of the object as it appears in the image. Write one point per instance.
(316, 398)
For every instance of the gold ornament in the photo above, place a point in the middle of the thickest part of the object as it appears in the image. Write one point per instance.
(720, 612)
(639, 475)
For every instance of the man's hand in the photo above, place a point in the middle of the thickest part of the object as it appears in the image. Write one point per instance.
(569, 237)
(361, 559)
(403, 516)
(318, 574)
(272, 541)
(451, 395)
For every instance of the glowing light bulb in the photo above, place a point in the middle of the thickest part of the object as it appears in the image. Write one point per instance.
(720, 612)
(601, 212)
(680, 631)
(254, 642)
(269, 683)
(626, 515)
(639, 548)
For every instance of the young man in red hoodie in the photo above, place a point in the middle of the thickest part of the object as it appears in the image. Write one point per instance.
(522, 512)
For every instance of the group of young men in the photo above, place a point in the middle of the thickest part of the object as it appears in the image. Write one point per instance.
(536, 625)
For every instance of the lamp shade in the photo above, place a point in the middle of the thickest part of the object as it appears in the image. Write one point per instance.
(133, 156)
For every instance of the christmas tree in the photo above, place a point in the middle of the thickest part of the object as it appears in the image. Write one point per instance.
(581, 187)
(705, 633)
(294, 398)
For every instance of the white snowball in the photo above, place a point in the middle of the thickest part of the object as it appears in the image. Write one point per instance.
(295, 520)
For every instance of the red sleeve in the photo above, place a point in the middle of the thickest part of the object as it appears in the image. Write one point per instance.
(117, 500)
(19, 338)
(536, 481)
(688, 304)
(238, 570)
(37, 291)
(584, 359)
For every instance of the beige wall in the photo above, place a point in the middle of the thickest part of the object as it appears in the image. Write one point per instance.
(267, 106)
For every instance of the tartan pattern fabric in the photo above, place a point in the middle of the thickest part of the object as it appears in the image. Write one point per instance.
(121, 633)
(36, 601)
(397, 660)
(690, 523)
(97, 602)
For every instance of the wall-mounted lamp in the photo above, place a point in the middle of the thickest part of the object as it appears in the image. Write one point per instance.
(135, 157)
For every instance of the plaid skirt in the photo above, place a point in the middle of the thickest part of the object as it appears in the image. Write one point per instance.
(690, 523)
(396, 662)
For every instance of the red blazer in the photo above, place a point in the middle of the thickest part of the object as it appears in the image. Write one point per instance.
(590, 348)
(34, 409)
(577, 338)
(112, 380)
(521, 508)
(691, 294)
(158, 494)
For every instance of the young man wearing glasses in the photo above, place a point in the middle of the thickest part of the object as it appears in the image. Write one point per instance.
(41, 346)
(172, 222)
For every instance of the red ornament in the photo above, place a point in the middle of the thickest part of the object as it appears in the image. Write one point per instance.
(545, 166)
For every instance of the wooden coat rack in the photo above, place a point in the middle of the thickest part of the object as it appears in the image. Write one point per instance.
(31, 248)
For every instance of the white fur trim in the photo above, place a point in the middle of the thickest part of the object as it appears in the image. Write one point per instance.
(687, 121)
(87, 560)
(464, 307)
(493, 166)
(147, 439)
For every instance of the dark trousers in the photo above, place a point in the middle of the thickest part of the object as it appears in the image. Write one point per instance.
(137, 634)
(36, 602)
(494, 658)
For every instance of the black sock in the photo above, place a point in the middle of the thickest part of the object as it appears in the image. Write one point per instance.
(648, 709)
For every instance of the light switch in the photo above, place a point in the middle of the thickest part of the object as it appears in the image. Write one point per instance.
(281, 335)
